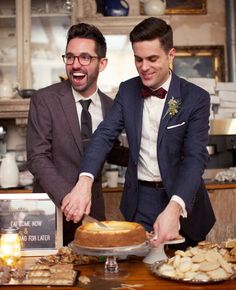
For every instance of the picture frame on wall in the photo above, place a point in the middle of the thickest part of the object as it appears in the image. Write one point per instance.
(200, 62)
(186, 7)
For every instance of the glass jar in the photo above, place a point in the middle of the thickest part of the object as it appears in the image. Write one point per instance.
(10, 246)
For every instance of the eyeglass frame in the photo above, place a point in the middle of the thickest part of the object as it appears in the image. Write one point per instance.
(78, 57)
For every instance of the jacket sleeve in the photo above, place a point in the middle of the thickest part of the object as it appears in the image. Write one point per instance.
(39, 151)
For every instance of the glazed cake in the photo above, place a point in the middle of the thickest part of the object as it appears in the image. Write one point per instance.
(117, 234)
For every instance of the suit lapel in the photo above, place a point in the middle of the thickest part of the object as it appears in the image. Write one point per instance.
(138, 117)
(105, 104)
(69, 108)
(174, 92)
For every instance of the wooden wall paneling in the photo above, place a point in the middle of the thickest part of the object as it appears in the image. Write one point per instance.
(112, 204)
(223, 202)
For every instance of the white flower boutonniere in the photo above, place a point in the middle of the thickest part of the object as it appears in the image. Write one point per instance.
(173, 106)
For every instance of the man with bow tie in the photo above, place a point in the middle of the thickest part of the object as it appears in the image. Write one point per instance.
(166, 119)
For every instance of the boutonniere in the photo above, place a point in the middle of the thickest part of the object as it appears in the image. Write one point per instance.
(173, 107)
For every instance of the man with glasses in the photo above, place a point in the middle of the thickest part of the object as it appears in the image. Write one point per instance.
(62, 118)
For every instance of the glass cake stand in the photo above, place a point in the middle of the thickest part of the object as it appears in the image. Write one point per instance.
(112, 270)
(158, 254)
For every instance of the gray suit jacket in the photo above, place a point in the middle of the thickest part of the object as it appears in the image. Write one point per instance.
(54, 146)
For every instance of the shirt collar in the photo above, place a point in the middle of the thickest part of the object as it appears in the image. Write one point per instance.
(166, 84)
(78, 96)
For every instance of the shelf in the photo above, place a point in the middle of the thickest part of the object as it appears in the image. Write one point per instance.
(6, 16)
(48, 62)
(7, 64)
(15, 108)
(51, 15)
(116, 24)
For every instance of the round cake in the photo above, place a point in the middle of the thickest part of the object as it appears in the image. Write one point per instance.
(117, 234)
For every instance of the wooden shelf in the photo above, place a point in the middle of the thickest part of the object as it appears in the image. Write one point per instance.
(51, 14)
(15, 108)
(116, 24)
(7, 16)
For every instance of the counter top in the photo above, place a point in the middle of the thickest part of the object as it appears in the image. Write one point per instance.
(139, 273)
(209, 185)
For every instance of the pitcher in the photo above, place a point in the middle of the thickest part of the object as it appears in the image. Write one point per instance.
(9, 172)
(116, 8)
(6, 89)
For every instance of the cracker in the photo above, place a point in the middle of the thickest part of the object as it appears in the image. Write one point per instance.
(198, 258)
(212, 256)
(61, 268)
(64, 276)
(39, 267)
(225, 265)
(180, 253)
(218, 274)
(169, 273)
(184, 266)
(208, 266)
(230, 243)
(202, 277)
(176, 261)
(39, 273)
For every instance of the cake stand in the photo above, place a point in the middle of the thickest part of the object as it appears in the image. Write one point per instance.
(111, 268)
(158, 253)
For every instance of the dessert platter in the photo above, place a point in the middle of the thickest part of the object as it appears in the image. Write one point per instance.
(39, 275)
(114, 239)
(48, 270)
(196, 265)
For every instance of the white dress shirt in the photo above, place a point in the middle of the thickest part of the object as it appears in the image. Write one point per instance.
(95, 108)
(148, 168)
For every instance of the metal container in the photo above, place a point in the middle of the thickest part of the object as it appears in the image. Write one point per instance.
(223, 127)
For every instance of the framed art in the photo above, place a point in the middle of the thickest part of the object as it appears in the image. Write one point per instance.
(200, 62)
(38, 219)
(186, 7)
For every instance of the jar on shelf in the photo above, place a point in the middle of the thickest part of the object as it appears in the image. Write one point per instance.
(9, 172)
(154, 7)
(10, 246)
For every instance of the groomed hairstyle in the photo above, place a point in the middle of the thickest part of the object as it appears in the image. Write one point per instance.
(153, 28)
(85, 30)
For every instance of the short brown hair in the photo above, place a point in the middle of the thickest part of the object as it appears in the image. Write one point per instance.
(153, 28)
(85, 30)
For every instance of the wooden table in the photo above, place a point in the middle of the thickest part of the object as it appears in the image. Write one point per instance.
(139, 273)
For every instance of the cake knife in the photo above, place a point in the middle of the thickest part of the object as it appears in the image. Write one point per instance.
(89, 219)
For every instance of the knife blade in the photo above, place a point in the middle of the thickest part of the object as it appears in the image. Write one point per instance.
(89, 219)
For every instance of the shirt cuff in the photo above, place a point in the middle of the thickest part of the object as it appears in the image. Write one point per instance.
(180, 201)
(87, 174)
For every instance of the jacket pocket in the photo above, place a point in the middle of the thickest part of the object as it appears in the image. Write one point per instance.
(175, 126)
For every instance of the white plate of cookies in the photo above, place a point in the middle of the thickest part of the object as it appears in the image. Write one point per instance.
(195, 265)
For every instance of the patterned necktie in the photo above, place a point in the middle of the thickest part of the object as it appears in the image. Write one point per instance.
(147, 92)
(86, 122)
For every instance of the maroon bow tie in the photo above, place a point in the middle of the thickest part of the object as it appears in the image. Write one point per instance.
(147, 92)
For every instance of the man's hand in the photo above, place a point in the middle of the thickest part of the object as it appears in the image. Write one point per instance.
(78, 202)
(166, 226)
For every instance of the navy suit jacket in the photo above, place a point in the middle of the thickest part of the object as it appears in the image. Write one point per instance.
(181, 149)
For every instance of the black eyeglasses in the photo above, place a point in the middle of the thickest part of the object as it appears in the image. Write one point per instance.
(83, 58)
